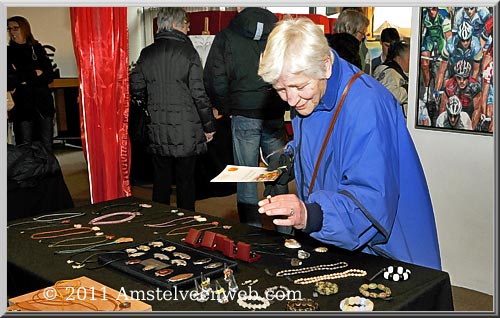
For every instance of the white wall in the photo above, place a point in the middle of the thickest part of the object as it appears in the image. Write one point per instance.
(459, 167)
(460, 174)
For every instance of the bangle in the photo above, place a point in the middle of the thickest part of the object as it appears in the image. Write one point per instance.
(242, 301)
(305, 304)
(326, 288)
(396, 273)
(367, 290)
(356, 304)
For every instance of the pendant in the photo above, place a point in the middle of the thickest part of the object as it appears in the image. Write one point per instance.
(321, 249)
(164, 272)
(169, 249)
(292, 243)
(161, 256)
(133, 261)
(144, 248)
(182, 255)
(180, 277)
(202, 261)
(156, 244)
(179, 262)
(213, 265)
(303, 254)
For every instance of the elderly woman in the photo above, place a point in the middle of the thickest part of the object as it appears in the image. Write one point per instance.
(362, 187)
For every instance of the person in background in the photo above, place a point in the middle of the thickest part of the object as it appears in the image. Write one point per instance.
(356, 24)
(387, 37)
(255, 109)
(168, 78)
(393, 73)
(370, 194)
(30, 72)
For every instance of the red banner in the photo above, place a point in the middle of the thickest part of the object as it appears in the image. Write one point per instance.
(100, 39)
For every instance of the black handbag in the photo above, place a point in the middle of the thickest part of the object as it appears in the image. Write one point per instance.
(138, 120)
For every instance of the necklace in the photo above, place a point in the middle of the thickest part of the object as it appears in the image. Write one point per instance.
(198, 218)
(91, 247)
(211, 225)
(323, 267)
(61, 233)
(314, 279)
(99, 220)
(88, 259)
(58, 216)
(91, 237)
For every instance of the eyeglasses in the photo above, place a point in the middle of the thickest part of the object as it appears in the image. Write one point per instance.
(14, 28)
(469, 8)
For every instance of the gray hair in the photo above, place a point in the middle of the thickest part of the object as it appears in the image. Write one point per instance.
(351, 21)
(298, 43)
(167, 17)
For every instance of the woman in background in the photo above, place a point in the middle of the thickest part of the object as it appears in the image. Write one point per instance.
(33, 113)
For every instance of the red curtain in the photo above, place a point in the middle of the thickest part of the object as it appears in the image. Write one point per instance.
(100, 40)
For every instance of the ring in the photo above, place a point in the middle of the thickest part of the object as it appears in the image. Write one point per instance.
(292, 212)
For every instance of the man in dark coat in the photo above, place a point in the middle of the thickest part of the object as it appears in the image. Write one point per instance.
(168, 78)
(255, 108)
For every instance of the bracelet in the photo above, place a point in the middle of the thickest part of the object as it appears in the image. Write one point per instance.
(99, 220)
(326, 288)
(276, 291)
(366, 290)
(305, 304)
(396, 273)
(356, 303)
(243, 302)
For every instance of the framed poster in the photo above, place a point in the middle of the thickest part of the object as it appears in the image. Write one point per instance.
(455, 91)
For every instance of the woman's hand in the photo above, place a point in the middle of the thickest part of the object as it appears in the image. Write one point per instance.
(287, 210)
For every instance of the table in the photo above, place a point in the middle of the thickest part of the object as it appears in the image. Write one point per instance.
(32, 265)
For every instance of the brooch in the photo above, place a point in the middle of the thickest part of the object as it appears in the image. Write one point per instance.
(180, 277)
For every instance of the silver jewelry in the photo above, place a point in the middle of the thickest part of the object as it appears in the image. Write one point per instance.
(292, 212)
(243, 302)
(323, 267)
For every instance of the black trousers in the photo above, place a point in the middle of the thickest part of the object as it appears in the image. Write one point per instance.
(40, 128)
(165, 168)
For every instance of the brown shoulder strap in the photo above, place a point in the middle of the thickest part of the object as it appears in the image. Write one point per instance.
(330, 129)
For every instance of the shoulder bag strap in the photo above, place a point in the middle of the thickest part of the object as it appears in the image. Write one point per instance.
(330, 129)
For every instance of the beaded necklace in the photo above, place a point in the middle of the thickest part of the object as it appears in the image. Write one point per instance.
(344, 274)
(99, 220)
(323, 267)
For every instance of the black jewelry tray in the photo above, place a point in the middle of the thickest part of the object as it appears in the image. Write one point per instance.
(118, 262)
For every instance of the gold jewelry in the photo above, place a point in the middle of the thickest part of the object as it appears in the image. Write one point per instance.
(211, 225)
(356, 304)
(303, 270)
(302, 305)
(366, 290)
(314, 279)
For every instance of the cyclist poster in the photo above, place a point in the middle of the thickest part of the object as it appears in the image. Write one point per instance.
(455, 89)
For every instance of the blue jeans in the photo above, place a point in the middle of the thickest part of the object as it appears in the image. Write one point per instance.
(249, 135)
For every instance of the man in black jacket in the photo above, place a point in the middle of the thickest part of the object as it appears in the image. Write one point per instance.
(168, 79)
(236, 90)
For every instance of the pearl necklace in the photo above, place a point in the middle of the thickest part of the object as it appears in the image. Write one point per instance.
(323, 267)
(314, 279)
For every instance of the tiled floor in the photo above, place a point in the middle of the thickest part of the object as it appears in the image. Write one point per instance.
(74, 169)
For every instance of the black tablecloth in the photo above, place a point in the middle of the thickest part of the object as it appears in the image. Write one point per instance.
(32, 265)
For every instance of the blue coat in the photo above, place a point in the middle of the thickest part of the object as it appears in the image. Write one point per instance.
(370, 185)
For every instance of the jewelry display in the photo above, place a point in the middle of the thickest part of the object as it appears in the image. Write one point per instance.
(326, 288)
(356, 303)
(60, 233)
(367, 290)
(306, 304)
(314, 279)
(253, 302)
(99, 220)
(169, 264)
(201, 297)
(275, 291)
(304, 270)
(396, 273)
(292, 243)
